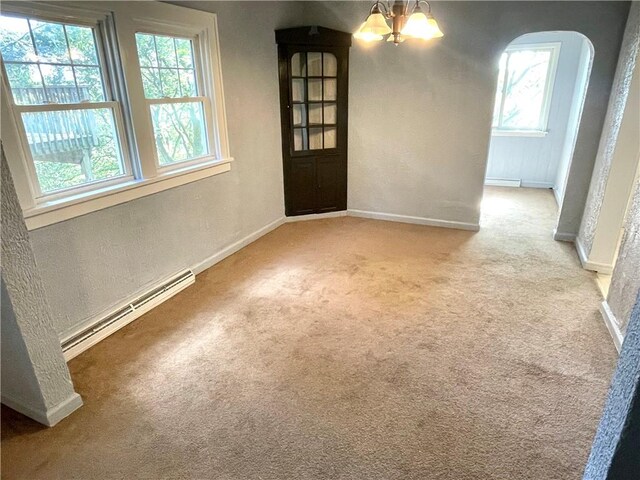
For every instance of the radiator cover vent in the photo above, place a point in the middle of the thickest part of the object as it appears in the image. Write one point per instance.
(114, 321)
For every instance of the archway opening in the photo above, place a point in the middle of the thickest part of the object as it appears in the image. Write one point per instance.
(540, 92)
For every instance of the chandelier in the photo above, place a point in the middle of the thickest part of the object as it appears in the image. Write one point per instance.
(405, 24)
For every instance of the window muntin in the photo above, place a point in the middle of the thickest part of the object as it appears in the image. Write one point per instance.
(314, 89)
(525, 88)
(169, 77)
(59, 89)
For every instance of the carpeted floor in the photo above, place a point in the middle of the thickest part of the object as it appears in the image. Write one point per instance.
(349, 349)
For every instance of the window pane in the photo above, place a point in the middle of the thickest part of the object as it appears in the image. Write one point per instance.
(315, 89)
(50, 40)
(146, 50)
(15, 39)
(500, 89)
(53, 76)
(330, 89)
(330, 65)
(89, 84)
(166, 52)
(314, 64)
(82, 45)
(300, 139)
(298, 65)
(167, 66)
(184, 52)
(330, 113)
(525, 89)
(330, 137)
(151, 82)
(179, 131)
(297, 90)
(315, 114)
(299, 115)
(73, 147)
(315, 139)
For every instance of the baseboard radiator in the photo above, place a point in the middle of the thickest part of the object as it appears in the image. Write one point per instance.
(114, 321)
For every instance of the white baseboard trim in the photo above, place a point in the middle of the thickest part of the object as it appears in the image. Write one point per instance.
(47, 417)
(433, 222)
(234, 247)
(315, 216)
(563, 236)
(526, 184)
(612, 325)
(501, 182)
(589, 265)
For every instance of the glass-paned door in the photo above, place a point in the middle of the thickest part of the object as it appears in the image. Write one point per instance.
(314, 95)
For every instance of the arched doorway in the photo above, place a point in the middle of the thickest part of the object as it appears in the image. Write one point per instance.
(541, 87)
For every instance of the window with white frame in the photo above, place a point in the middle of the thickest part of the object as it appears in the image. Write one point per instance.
(86, 125)
(525, 87)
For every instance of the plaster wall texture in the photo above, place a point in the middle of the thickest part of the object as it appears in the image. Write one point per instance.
(536, 160)
(573, 122)
(92, 263)
(34, 374)
(611, 129)
(420, 115)
(621, 176)
(625, 281)
(612, 437)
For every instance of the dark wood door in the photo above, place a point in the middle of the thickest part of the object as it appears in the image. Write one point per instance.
(314, 82)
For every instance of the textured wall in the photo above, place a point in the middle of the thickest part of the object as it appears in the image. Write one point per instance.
(625, 281)
(420, 116)
(609, 137)
(609, 459)
(535, 160)
(94, 262)
(34, 373)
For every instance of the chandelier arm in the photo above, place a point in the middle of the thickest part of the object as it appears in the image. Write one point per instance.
(418, 2)
(382, 7)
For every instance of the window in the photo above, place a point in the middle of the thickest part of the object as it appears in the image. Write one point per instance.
(170, 87)
(70, 123)
(85, 125)
(525, 86)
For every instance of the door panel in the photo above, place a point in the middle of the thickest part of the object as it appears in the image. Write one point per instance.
(303, 186)
(313, 70)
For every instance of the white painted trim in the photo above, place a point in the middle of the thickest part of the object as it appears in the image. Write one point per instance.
(496, 132)
(612, 325)
(502, 182)
(48, 417)
(564, 236)
(433, 222)
(589, 265)
(234, 247)
(556, 195)
(528, 184)
(315, 216)
(71, 207)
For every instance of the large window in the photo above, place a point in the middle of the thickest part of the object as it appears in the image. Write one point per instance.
(525, 87)
(86, 125)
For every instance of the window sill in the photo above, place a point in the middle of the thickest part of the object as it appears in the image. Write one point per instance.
(519, 133)
(74, 206)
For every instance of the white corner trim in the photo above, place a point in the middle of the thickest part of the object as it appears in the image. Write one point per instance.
(315, 216)
(556, 195)
(502, 182)
(589, 265)
(433, 222)
(563, 236)
(48, 417)
(55, 212)
(234, 247)
(612, 325)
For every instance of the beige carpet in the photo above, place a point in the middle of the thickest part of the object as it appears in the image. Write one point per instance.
(349, 349)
